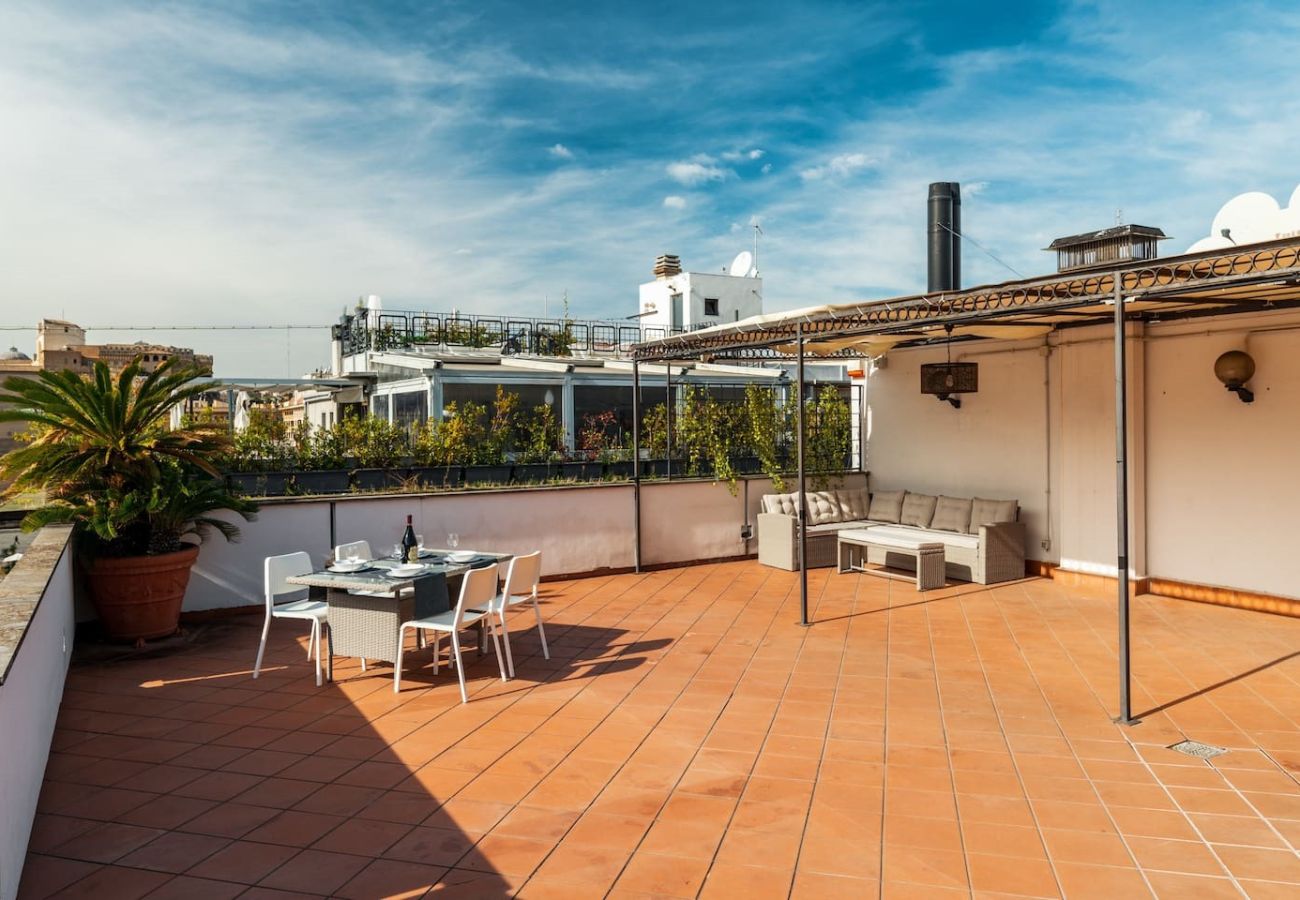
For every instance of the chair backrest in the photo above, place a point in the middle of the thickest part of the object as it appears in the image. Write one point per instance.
(356, 548)
(477, 590)
(523, 575)
(278, 568)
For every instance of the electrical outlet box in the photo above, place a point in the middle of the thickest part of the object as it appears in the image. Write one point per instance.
(746, 532)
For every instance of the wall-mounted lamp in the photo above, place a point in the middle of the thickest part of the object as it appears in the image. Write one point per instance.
(1234, 369)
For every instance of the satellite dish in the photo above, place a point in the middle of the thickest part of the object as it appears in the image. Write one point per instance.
(741, 265)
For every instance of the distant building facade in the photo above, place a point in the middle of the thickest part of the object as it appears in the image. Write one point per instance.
(62, 345)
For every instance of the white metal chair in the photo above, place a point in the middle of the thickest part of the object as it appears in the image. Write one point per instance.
(520, 587)
(476, 593)
(276, 570)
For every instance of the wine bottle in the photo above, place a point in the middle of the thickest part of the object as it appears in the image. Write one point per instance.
(410, 546)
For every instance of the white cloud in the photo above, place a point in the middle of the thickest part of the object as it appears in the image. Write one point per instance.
(739, 155)
(841, 166)
(559, 151)
(673, 201)
(767, 169)
(697, 171)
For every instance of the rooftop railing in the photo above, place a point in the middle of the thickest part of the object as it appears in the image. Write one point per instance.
(510, 335)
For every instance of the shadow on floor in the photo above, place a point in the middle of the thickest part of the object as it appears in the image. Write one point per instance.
(174, 773)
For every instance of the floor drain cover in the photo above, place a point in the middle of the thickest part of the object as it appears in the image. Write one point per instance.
(1196, 748)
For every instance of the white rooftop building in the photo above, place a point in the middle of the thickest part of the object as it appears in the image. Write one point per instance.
(686, 301)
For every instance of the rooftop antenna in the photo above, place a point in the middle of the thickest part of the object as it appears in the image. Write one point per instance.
(758, 229)
(1119, 216)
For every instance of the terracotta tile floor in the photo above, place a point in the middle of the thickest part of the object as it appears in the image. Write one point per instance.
(688, 739)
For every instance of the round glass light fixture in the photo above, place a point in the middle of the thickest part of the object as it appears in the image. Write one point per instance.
(1234, 369)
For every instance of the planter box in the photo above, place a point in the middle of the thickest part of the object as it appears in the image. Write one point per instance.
(585, 471)
(620, 470)
(377, 479)
(533, 473)
(260, 484)
(650, 468)
(322, 481)
(437, 476)
(496, 474)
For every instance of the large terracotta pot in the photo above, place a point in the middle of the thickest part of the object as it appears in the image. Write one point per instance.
(139, 597)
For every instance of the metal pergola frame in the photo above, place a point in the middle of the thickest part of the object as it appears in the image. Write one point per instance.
(1245, 279)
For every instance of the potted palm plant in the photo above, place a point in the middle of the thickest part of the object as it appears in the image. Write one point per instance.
(141, 496)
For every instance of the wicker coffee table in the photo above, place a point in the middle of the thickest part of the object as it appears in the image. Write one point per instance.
(858, 548)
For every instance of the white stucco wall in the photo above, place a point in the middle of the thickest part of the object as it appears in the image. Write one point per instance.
(29, 700)
(738, 298)
(1222, 488)
(1211, 479)
(578, 529)
(995, 446)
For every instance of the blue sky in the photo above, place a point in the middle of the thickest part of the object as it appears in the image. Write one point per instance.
(258, 163)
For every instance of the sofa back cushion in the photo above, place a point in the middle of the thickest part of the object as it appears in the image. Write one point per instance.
(886, 506)
(823, 507)
(918, 509)
(855, 503)
(779, 503)
(989, 512)
(952, 514)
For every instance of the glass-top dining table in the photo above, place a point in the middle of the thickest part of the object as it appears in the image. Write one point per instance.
(367, 607)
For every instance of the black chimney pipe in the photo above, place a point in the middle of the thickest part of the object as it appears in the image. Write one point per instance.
(944, 241)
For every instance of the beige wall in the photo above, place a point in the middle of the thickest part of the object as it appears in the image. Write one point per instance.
(1212, 479)
(1222, 483)
(995, 446)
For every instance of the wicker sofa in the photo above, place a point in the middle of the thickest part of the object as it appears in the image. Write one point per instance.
(983, 541)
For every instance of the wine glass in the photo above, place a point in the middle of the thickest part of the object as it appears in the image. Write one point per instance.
(419, 544)
(453, 540)
(397, 552)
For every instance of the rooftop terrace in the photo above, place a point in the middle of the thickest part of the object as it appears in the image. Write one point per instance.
(689, 739)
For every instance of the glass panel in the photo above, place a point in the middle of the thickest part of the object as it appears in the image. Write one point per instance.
(530, 395)
(379, 406)
(410, 408)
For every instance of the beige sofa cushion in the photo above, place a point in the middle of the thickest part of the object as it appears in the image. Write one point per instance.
(918, 509)
(988, 512)
(854, 504)
(951, 514)
(886, 506)
(782, 504)
(823, 507)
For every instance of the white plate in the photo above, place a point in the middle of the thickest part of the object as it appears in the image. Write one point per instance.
(404, 571)
(462, 556)
(349, 567)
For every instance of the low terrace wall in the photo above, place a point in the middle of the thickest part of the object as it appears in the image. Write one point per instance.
(36, 629)
(579, 529)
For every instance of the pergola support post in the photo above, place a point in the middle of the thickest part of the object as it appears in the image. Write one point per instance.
(1125, 716)
(802, 505)
(636, 463)
(668, 422)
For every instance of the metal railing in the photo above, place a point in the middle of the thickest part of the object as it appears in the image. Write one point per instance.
(403, 330)
(509, 335)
